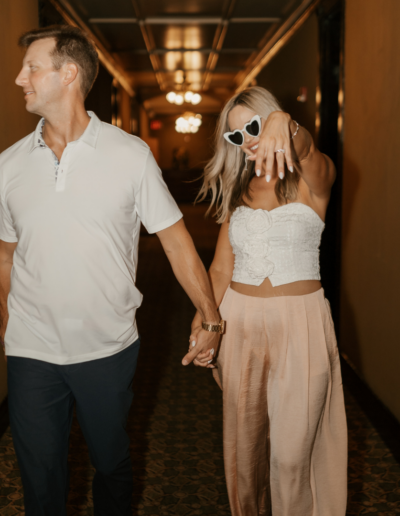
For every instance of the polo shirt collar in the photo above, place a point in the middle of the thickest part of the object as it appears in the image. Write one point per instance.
(92, 130)
(89, 136)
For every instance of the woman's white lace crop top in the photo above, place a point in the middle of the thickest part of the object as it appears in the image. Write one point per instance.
(281, 244)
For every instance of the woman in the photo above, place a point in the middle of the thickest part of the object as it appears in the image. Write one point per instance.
(285, 436)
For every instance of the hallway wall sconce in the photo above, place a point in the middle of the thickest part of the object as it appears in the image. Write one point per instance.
(180, 98)
(188, 123)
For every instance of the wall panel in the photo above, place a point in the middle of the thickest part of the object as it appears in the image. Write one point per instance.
(16, 17)
(370, 293)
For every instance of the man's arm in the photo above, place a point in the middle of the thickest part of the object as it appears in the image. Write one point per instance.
(191, 274)
(6, 262)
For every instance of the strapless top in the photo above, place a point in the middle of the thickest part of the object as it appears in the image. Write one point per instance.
(281, 244)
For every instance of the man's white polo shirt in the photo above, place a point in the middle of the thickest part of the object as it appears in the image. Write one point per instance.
(73, 296)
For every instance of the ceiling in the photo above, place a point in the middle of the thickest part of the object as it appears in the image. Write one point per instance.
(208, 46)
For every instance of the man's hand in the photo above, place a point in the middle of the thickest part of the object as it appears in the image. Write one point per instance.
(205, 347)
(191, 274)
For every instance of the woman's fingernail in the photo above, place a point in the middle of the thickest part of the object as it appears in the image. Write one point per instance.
(184, 362)
(258, 173)
(209, 362)
(281, 175)
(212, 351)
(268, 178)
(291, 169)
(193, 343)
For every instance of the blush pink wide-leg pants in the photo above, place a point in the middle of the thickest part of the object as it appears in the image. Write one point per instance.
(285, 433)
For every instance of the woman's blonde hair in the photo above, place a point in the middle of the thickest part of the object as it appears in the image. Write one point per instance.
(225, 175)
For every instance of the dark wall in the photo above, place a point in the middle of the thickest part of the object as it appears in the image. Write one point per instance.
(370, 276)
(329, 141)
(99, 98)
(296, 66)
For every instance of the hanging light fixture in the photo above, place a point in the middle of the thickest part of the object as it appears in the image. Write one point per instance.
(188, 123)
(188, 96)
(171, 97)
(179, 98)
(196, 99)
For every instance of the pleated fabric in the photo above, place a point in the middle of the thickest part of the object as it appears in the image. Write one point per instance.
(285, 432)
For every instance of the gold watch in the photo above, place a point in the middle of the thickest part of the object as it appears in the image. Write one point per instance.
(215, 328)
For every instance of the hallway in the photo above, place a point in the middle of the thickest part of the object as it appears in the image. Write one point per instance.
(176, 418)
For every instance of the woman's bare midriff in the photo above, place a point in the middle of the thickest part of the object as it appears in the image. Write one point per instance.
(297, 288)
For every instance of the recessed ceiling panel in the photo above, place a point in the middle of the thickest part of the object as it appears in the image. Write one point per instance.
(194, 78)
(184, 7)
(145, 80)
(183, 60)
(183, 36)
(134, 62)
(122, 36)
(178, 80)
(242, 35)
(105, 8)
(222, 79)
(232, 60)
(264, 8)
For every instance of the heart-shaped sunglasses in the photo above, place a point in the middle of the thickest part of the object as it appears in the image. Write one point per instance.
(252, 128)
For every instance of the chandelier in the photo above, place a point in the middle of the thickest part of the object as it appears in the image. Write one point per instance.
(180, 98)
(188, 123)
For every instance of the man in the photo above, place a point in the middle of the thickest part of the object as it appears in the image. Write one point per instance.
(72, 196)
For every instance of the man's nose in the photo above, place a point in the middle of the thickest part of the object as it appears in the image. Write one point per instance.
(21, 78)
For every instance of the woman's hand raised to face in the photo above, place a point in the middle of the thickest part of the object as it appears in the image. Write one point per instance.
(274, 139)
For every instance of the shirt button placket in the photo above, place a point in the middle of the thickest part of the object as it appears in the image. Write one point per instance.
(62, 172)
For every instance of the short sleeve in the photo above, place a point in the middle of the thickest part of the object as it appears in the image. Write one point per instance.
(7, 231)
(155, 205)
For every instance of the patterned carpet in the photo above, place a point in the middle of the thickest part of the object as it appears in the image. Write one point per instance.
(176, 423)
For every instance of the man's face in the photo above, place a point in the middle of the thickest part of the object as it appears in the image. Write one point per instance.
(41, 83)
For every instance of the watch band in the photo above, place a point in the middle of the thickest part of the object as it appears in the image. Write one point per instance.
(215, 328)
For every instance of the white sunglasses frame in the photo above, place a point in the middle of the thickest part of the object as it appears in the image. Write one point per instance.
(227, 134)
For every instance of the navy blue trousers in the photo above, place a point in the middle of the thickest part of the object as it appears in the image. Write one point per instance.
(41, 398)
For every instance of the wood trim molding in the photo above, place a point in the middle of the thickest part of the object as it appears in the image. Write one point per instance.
(274, 45)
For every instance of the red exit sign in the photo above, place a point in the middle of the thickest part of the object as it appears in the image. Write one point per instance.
(155, 125)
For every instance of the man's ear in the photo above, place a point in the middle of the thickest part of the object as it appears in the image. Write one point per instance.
(70, 73)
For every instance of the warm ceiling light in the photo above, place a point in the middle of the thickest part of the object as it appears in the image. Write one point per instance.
(196, 99)
(188, 123)
(188, 96)
(178, 99)
(197, 121)
(171, 97)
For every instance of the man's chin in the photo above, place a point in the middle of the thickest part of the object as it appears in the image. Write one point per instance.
(31, 107)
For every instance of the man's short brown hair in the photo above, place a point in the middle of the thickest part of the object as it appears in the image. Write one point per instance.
(71, 46)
